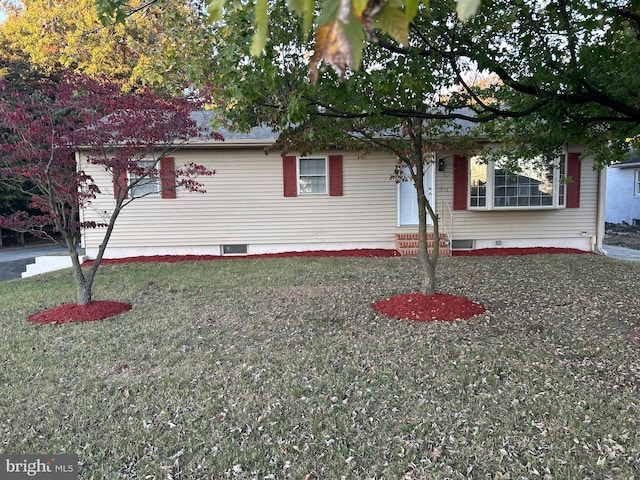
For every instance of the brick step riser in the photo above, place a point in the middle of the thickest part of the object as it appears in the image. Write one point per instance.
(410, 244)
(412, 252)
(414, 236)
(407, 244)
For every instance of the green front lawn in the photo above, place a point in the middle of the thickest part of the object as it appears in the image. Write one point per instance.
(279, 368)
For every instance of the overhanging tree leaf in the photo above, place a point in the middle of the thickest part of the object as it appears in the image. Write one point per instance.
(467, 8)
(304, 9)
(333, 40)
(411, 8)
(215, 8)
(393, 20)
(333, 46)
(261, 23)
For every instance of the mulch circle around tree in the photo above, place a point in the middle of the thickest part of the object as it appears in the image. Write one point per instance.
(427, 308)
(72, 312)
(409, 306)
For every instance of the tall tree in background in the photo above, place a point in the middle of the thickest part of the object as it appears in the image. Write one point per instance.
(41, 131)
(165, 44)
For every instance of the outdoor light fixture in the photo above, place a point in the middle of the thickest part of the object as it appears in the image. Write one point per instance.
(441, 165)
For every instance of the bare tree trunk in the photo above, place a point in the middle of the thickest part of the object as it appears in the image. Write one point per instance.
(427, 262)
(84, 293)
(83, 283)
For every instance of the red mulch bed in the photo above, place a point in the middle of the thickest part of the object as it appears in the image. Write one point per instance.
(494, 252)
(365, 252)
(427, 308)
(410, 306)
(72, 312)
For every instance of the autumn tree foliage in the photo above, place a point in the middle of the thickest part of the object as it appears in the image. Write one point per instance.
(159, 45)
(42, 132)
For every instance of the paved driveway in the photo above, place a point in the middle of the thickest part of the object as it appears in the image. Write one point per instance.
(622, 253)
(13, 262)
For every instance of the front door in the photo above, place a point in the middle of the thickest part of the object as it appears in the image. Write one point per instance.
(407, 199)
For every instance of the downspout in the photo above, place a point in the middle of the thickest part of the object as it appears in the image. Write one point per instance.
(600, 227)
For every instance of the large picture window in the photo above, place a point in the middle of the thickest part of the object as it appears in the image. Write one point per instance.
(531, 184)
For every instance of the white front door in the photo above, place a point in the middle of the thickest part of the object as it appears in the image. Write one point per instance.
(408, 200)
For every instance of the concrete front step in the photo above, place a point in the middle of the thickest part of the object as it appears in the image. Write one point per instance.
(48, 263)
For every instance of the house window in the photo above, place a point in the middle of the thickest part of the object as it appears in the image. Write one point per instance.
(636, 184)
(478, 179)
(312, 175)
(142, 186)
(531, 184)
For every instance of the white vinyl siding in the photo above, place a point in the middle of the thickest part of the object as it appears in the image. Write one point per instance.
(244, 204)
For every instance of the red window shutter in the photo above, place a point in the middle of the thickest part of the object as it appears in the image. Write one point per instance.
(335, 175)
(460, 182)
(289, 176)
(167, 177)
(574, 166)
(120, 183)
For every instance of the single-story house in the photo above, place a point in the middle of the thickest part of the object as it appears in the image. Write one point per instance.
(622, 202)
(336, 200)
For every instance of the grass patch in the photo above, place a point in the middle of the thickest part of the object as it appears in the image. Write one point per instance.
(280, 368)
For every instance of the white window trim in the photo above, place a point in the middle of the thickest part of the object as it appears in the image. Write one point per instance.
(636, 184)
(326, 175)
(490, 187)
(156, 181)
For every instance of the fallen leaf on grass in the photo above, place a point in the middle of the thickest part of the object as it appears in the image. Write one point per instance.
(435, 453)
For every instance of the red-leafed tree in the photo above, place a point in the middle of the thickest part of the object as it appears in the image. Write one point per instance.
(42, 132)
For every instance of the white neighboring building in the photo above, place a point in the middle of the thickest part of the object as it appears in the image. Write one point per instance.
(622, 204)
